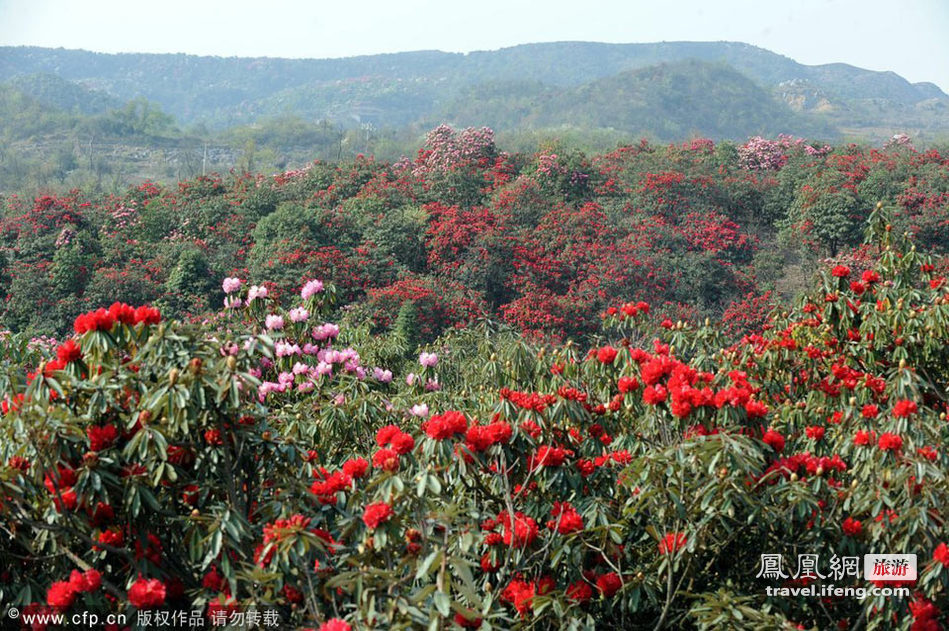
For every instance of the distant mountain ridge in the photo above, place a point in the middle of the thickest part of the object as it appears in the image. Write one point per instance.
(530, 85)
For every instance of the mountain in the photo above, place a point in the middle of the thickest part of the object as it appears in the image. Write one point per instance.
(669, 100)
(664, 90)
(53, 91)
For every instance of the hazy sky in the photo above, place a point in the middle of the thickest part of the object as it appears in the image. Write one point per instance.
(910, 37)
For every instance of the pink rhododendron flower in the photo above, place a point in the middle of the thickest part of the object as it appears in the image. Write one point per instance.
(230, 285)
(312, 287)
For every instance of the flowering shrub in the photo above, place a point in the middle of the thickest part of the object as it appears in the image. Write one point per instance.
(545, 242)
(261, 457)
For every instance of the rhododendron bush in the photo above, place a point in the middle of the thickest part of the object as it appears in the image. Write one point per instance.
(274, 456)
(543, 242)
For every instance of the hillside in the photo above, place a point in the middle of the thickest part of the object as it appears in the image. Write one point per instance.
(345, 391)
(394, 90)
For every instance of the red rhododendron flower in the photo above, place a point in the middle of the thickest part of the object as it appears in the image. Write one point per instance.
(653, 395)
(523, 531)
(442, 426)
(101, 437)
(671, 542)
(904, 408)
(68, 352)
(941, 554)
(213, 437)
(147, 315)
(112, 538)
(547, 456)
(88, 581)
(815, 432)
(386, 459)
(335, 624)
(375, 514)
(756, 409)
(467, 623)
(99, 320)
(852, 527)
(890, 442)
(213, 580)
(65, 500)
(480, 437)
(566, 519)
(403, 443)
(609, 584)
(147, 593)
(520, 594)
(356, 467)
(292, 594)
(925, 614)
(385, 434)
(840, 271)
(579, 591)
(774, 439)
(61, 594)
(122, 313)
(928, 453)
(606, 355)
(327, 485)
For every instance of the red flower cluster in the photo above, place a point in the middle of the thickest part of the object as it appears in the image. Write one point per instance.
(527, 400)
(606, 355)
(104, 320)
(68, 352)
(925, 615)
(609, 584)
(566, 519)
(580, 591)
(852, 527)
(941, 555)
(468, 623)
(630, 310)
(446, 425)
(401, 443)
(774, 440)
(547, 456)
(147, 593)
(805, 464)
(671, 542)
(282, 529)
(520, 593)
(356, 467)
(376, 514)
(61, 594)
(327, 485)
(386, 459)
(392, 435)
(480, 437)
(890, 442)
(521, 533)
(905, 408)
(101, 437)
